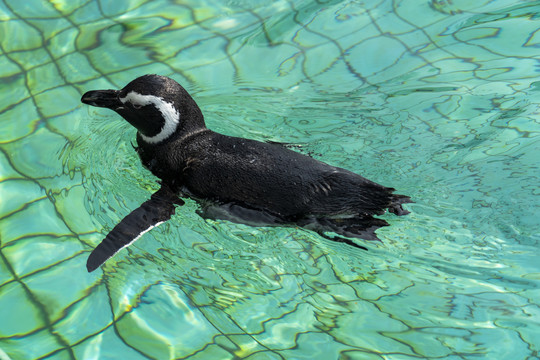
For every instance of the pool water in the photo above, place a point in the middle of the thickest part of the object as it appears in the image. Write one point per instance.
(438, 99)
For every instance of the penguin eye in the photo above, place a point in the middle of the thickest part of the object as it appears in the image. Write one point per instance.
(136, 106)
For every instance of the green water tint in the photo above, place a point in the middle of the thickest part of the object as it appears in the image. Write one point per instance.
(435, 98)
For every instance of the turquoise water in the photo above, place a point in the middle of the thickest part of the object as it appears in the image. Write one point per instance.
(438, 99)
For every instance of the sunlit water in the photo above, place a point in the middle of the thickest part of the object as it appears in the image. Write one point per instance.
(438, 99)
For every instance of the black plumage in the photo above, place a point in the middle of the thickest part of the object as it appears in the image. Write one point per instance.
(240, 179)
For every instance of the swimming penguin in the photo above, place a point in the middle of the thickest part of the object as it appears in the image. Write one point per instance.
(236, 179)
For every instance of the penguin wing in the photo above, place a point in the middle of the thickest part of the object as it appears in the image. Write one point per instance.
(158, 209)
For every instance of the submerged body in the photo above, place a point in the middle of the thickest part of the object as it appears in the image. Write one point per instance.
(233, 178)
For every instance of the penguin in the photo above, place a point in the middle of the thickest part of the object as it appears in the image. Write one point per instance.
(236, 179)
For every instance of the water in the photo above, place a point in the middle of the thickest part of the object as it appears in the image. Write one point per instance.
(438, 99)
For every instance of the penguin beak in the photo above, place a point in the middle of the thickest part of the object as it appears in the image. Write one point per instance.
(102, 98)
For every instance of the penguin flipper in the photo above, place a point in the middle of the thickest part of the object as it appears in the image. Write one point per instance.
(158, 209)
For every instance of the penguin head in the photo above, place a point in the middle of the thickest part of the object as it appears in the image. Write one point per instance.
(157, 106)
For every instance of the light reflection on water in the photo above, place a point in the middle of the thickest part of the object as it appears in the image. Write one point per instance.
(435, 99)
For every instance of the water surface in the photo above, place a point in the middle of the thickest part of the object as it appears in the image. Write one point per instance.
(438, 99)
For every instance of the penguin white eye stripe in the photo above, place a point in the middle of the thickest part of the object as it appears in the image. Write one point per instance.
(170, 115)
(140, 100)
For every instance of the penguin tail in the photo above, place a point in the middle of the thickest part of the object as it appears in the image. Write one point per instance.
(396, 202)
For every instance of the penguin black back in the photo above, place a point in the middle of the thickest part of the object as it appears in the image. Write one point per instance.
(233, 178)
